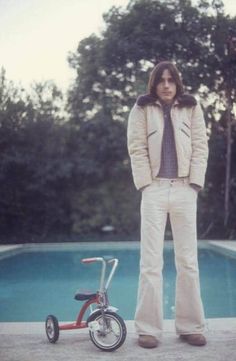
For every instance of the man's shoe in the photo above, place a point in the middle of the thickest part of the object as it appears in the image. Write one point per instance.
(147, 341)
(194, 339)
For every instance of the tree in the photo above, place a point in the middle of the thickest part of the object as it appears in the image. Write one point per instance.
(112, 70)
(34, 169)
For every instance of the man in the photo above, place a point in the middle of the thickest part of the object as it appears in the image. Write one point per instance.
(167, 145)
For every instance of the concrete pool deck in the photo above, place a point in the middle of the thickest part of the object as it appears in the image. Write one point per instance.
(27, 341)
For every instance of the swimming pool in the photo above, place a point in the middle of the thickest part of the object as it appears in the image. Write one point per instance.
(42, 280)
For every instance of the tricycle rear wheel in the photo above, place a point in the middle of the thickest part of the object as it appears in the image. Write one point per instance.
(52, 328)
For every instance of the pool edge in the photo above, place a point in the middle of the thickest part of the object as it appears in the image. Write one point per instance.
(26, 328)
(230, 245)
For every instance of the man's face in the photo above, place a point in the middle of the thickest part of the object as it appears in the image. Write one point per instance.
(166, 88)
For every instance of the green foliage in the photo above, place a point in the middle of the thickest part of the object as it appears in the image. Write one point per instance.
(112, 69)
(112, 203)
(33, 171)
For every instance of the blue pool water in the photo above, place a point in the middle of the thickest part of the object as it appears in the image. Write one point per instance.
(34, 284)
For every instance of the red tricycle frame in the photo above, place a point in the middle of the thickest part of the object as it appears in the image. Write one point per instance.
(107, 329)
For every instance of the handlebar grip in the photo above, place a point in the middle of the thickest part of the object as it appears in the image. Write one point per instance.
(108, 259)
(89, 260)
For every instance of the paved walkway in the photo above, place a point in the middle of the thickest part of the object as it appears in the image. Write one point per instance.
(27, 342)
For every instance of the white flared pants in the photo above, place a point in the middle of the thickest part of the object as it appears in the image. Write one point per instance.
(179, 199)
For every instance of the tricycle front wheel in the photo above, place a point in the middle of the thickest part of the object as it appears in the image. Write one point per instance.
(107, 331)
(52, 328)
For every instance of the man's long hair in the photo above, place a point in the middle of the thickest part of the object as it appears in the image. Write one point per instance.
(156, 74)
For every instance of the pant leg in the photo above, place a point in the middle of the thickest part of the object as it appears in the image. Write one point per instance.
(149, 311)
(188, 304)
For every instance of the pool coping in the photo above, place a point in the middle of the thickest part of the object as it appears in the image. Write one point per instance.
(29, 328)
(227, 248)
(17, 248)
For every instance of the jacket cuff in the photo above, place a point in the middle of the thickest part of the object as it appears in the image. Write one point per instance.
(197, 177)
(141, 183)
(195, 186)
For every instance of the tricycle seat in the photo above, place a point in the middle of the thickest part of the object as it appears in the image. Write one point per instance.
(84, 295)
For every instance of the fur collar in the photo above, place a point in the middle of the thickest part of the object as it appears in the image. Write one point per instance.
(184, 100)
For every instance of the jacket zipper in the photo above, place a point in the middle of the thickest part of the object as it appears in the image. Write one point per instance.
(171, 117)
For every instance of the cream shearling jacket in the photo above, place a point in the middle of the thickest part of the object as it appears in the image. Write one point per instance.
(145, 133)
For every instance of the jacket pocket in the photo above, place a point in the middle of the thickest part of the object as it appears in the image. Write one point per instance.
(186, 125)
(149, 135)
(185, 132)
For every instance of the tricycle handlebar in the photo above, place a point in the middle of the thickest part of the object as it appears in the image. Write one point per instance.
(104, 260)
